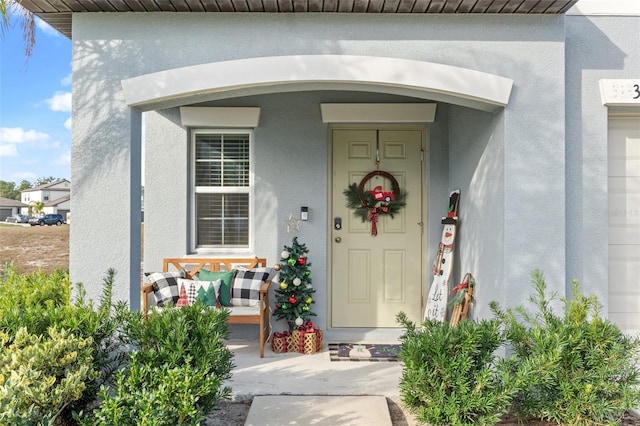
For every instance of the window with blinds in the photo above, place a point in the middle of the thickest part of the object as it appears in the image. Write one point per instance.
(222, 189)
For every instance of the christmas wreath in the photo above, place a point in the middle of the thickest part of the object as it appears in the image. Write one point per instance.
(369, 205)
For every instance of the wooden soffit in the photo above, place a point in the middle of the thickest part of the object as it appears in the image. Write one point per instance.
(58, 13)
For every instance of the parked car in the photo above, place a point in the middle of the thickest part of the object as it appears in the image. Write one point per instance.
(17, 218)
(47, 219)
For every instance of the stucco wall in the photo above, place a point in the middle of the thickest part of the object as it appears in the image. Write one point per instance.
(525, 142)
(165, 193)
(476, 160)
(598, 47)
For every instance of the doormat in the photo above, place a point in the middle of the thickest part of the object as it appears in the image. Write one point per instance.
(359, 352)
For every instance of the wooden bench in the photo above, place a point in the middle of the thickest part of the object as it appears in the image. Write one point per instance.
(238, 314)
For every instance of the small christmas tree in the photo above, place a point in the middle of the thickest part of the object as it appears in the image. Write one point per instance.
(293, 297)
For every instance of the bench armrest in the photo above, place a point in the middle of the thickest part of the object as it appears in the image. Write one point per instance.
(146, 289)
(265, 287)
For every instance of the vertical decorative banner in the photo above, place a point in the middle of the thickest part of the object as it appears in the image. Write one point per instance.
(436, 308)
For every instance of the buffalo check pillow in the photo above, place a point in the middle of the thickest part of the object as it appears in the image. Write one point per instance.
(271, 271)
(165, 286)
(246, 287)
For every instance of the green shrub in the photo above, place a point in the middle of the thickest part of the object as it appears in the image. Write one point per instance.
(57, 357)
(176, 375)
(39, 302)
(449, 375)
(40, 375)
(28, 300)
(575, 369)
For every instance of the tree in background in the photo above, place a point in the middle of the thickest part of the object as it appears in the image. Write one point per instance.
(44, 181)
(27, 22)
(24, 185)
(11, 191)
(36, 208)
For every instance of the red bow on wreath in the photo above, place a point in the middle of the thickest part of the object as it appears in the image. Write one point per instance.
(373, 216)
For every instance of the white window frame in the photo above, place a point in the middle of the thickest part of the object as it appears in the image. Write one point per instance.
(192, 192)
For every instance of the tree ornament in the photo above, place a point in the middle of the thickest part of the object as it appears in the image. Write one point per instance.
(293, 300)
(299, 321)
(302, 261)
(306, 308)
(285, 254)
(284, 306)
(309, 300)
(307, 272)
(291, 262)
(369, 205)
(309, 286)
(283, 285)
(276, 266)
(297, 281)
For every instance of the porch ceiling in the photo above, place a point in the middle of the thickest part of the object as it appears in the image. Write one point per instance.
(58, 13)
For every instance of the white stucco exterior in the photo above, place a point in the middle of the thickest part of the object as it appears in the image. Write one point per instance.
(529, 160)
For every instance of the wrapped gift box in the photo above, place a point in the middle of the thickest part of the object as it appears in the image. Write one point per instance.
(306, 339)
(280, 342)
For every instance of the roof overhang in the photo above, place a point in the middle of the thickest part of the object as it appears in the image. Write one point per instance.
(58, 13)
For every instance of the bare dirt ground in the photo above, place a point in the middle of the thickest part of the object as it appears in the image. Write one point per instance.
(34, 247)
(235, 413)
(47, 247)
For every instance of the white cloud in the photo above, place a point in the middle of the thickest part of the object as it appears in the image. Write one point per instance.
(19, 135)
(61, 101)
(66, 81)
(46, 28)
(20, 176)
(67, 124)
(64, 159)
(8, 150)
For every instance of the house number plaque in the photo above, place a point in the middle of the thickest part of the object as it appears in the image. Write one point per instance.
(620, 92)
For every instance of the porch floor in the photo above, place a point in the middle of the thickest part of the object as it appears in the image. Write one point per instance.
(316, 374)
(311, 389)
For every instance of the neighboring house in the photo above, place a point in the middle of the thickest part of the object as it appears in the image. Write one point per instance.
(55, 196)
(9, 207)
(60, 205)
(530, 107)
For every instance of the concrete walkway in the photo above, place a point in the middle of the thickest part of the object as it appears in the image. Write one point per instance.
(319, 410)
(297, 389)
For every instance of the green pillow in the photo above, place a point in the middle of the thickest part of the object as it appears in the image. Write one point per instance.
(225, 278)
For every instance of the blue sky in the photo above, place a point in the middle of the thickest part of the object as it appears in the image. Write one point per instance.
(35, 106)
